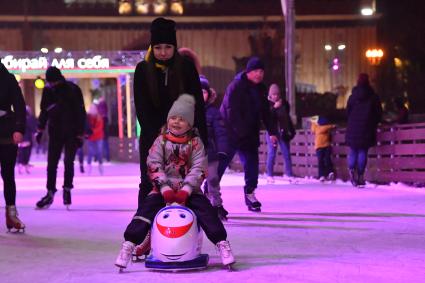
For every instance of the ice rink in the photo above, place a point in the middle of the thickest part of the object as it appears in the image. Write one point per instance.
(307, 232)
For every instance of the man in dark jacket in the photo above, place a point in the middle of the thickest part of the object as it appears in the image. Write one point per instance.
(244, 106)
(62, 105)
(364, 113)
(12, 127)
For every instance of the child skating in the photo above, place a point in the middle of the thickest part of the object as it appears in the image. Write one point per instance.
(177, 166)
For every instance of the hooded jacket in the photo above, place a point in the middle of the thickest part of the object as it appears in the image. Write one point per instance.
(244, 106)
(10, 96)
(364, 113)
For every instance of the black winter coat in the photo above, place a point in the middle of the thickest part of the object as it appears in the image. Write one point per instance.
(10, 96)
(282, 121)
(364, 113)
(244, 106)
(217, 135)
(155, 92)
(63, 106)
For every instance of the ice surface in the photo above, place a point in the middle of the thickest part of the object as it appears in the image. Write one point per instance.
(307, 232)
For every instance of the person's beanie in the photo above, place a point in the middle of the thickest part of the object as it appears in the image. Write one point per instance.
(205, 84)
(163, 31)
(53, 74)
(322, 120)
(254, 63)
(184, 107)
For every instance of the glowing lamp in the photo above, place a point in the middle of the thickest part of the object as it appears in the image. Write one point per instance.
(39, 83)
(124, 7)
(142, 7)
(176, 7)
(374, 56)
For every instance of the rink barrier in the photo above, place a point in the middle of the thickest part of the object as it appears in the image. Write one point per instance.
(398, 157)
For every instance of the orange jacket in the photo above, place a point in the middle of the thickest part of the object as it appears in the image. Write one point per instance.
(322, 135)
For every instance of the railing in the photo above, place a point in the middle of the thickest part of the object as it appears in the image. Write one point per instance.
(398, 157)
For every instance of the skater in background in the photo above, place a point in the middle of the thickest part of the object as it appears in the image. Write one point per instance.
(244, 106)
(102, 108)
(95, 139)
(364, 113)
(12, 127)
(80, 150)
(217, 147)
(279, 109)
(62, 106)
(176, 166)
(25, 147)
(158, 81)
(322, 144)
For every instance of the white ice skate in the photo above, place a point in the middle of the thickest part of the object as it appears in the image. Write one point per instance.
(125, 255)
(226, 254)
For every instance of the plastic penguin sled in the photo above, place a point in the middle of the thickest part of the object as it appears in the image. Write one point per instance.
(176, 241)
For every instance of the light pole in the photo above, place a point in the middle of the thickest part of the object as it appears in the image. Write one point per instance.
(288, 8)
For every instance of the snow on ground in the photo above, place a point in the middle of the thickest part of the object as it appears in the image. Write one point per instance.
(307, 232)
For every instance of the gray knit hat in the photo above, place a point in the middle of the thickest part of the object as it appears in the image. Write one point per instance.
(184, 106)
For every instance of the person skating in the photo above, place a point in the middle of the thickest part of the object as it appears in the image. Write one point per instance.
(177, 165)
(12, 127)
(217, 147)
(244, 106)
(62, 105)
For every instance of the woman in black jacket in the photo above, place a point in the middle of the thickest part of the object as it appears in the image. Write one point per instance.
(158, 81)
(364, 113)
(12, 127)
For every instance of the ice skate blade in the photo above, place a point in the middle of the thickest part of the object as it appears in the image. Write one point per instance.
(43, 207)
(254, 209)
(137, 258)
(15, 230)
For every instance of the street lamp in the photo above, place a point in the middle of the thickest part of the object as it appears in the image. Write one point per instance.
(124, 7)
(374, 56)
(367, 7)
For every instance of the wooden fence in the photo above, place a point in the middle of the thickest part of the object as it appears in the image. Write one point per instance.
(398, 157)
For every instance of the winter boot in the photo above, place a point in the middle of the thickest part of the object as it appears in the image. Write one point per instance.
(225, 253)
(141, 251)
(222, 213)
(125, 255)
(46, 201)
(353, 178)
(360, 181)
(252, 202)
(12, 220)
(67, 197)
